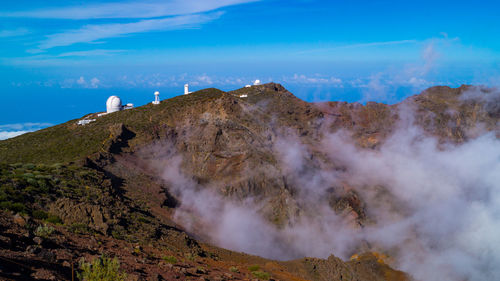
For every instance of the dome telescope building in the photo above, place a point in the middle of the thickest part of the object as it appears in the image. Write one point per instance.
(113, 104)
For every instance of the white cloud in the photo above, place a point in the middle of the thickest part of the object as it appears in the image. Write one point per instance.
(13, 32)
(377, 89)
(360, 45)
(434, 209)
(204, 79)
(63, 59)
(13, 130)
(24, 126)
(94, 82)
(417, 82)
(145, 9)
(89, 53)
(8, 135)
(81, 81)
(93, 32)
(429, 56)
(374, 44)
(195, 79)
(314, 79)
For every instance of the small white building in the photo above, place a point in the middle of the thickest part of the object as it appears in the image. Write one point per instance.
(256, 82)
(186, 89)
(84, 122)
(157, 98)
(128, 106)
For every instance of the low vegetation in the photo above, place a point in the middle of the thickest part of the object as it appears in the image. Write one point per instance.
(170, 259)
(258, 273)
(253, 268)
(101, 269)
(261, 275)
(234, 269)
(29, 188)
(44, 231)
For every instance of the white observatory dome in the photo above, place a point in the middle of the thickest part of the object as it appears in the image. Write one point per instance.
(113, 104)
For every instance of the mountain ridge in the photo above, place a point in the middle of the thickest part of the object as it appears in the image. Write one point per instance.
(232, 145)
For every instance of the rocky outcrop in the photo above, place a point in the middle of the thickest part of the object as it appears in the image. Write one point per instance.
(236, 146)
(94, 216)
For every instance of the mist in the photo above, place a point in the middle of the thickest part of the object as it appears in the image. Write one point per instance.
(433, 207)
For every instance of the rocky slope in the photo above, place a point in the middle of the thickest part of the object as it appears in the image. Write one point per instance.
(106, 182)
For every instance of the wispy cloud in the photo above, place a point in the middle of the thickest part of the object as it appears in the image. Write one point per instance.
(373, 44)
(67, 58)
(14, 32)
(143, 9)
(24, 126)
(90, 53)
(313, 79)
(92, 33)
(359, 45)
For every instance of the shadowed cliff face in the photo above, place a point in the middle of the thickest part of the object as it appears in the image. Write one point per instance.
(264, 146)
(272, 175)
(275, 176)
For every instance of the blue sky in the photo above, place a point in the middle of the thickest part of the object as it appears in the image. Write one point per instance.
(61, 61)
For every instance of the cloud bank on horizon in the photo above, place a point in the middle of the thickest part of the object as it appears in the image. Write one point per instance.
(13, 130)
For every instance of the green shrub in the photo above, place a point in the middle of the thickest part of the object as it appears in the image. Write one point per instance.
(118, 233)
(170, 259)
(101, 269)
(28, 175)
(5, 205)
(143, 219)
(29, 166)
(190, 256)
(15, 207)
(234, 269)
(40, 215)
(261, 275)
(254, 268)
(79, 228)
(44, 231)
(54, 219)
(18, 207)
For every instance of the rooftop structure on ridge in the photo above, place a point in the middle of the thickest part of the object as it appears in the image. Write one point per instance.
(186, 89)
(114, 104)
(157, 98)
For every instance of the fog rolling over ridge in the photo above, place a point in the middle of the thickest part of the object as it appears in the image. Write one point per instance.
(433, 207)
(413, 185)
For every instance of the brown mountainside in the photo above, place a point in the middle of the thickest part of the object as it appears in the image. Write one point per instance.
(235, 146)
